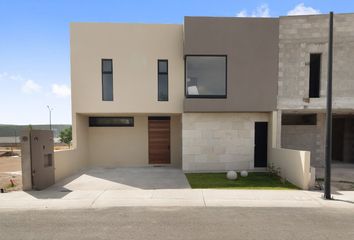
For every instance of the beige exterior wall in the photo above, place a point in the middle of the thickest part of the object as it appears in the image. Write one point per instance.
(294, 166)
(67, 162)
(134, 49)
(128, 146)
(219, 141)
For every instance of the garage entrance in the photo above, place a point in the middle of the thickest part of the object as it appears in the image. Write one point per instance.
(343, 139)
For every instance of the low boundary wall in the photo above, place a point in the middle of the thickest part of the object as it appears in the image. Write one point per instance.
(294, 166)
(67, 162)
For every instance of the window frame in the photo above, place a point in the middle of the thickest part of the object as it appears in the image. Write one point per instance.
(91, 124)
(185, 77)
(158, 76)
(107, 72)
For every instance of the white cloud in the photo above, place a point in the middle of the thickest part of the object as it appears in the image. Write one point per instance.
(243, 13)
(61, 90)
(30, 87)
(4, 76)
(301, 9)
(261, 11)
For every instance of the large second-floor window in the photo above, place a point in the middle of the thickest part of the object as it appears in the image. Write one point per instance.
(162, 79)
(107, 80)
(205, 76)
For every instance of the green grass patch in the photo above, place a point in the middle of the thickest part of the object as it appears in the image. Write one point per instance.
(254, 180)
(9, 187)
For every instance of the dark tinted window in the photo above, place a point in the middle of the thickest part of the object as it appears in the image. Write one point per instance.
(111, 121)
(107, 80)
(299, 119)
(107, 65)
(206, 76)
(163, 66)
(315, 75)
(162, 72)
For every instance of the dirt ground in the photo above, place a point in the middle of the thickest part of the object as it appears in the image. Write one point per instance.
(10, 169)
(18, 150)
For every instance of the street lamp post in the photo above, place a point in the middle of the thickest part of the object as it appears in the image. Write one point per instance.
(50, 116)
(327, 192)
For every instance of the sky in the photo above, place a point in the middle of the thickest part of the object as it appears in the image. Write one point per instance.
(35, 42)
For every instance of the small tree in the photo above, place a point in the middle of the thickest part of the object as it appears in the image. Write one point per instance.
(66, 136)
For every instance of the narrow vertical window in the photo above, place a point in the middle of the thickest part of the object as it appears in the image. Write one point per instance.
(107, 80)
(162, 81)
(315, 75)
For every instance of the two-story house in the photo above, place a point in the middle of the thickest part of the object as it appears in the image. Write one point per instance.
(191, 96)
(213, 94)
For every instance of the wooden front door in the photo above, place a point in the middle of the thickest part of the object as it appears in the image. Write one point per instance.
(159, 140)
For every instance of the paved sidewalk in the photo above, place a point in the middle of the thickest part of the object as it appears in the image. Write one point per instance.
(80, 199)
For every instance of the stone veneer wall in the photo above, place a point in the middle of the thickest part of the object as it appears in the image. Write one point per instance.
(306, 137)
(219, 141)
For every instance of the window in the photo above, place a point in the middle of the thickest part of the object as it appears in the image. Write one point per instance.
(315, 75)
(162, 81)
(299, 119)
(111, 121)
(107, 80)
(205, 76)
(159, 118)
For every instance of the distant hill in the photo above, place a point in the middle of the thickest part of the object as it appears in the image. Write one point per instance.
(7, 130)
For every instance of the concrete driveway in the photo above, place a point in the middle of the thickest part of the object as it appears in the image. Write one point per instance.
(342, 175)
(124, 179)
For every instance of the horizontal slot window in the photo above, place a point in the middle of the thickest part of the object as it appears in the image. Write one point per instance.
(299, 119)
(111, 121)
(160, 118)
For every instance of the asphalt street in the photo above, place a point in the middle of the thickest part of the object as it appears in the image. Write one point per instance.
(179, 223)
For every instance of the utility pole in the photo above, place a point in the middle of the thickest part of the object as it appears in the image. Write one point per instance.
(327, 192)
(50, 116)
(15, 137)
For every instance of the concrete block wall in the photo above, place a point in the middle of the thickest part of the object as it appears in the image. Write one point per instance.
(308, 138)
(298, 37)
(219, 141)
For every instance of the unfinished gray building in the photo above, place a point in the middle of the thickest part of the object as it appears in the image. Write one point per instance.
(302, 85)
